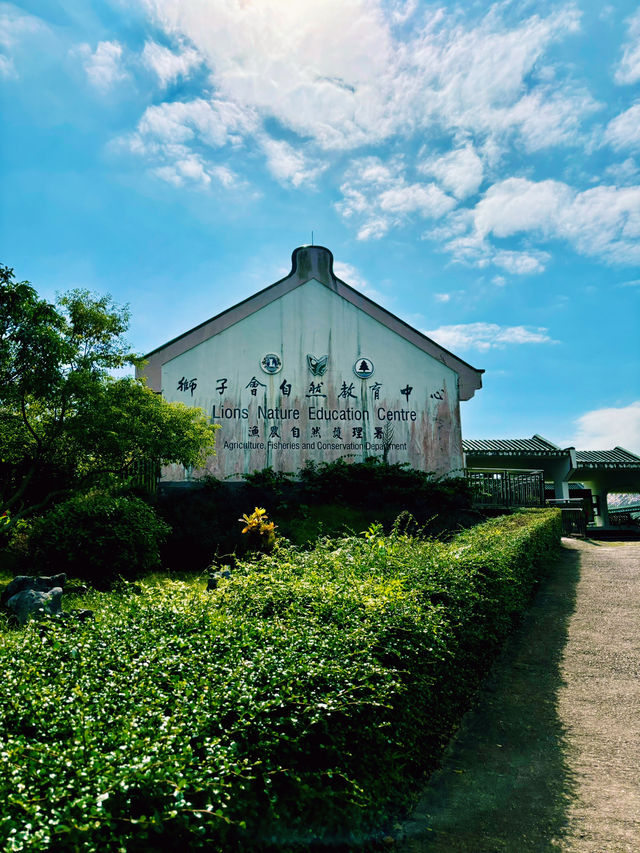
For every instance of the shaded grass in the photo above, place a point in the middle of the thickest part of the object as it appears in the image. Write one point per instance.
(504, 783)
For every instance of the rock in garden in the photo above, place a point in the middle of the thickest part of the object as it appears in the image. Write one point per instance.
(24, 582)
(214, 577)
(31, 602)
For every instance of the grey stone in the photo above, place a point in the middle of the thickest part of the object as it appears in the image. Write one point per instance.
(215, 577)
(30, 602)
(23, 582)
(82, 615)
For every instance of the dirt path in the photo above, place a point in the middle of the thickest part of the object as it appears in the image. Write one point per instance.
(549, 759)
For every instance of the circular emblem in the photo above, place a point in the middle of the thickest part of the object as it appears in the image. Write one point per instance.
(363, 368)
(271, 363)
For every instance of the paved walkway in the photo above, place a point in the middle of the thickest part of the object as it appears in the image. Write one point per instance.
(549, 759)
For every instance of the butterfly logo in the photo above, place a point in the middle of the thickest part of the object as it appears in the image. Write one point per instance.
(317, 366)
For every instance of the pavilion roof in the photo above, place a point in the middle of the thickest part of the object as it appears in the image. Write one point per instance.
(616, 458)
(535, 446)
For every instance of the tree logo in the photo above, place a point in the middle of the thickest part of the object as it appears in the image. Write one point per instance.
(363, 368)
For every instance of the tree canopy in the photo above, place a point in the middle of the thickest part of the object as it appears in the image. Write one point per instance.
(66, 423)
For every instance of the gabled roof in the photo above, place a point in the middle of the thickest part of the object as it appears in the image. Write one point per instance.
(616, 458)
(536, 446)
(307, 263)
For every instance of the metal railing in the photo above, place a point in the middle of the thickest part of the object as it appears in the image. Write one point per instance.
(493, 487)
(574, 516)
(143, 474)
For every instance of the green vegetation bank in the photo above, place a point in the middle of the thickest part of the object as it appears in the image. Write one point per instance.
(295, 707)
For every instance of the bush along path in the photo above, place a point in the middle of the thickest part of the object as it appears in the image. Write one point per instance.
(296, 705)
(549, 758)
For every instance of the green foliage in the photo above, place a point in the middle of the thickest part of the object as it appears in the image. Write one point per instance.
(65, 423)
(305, 523)
(329, 498)
(97, 536)
(375, 482)
(296, 705)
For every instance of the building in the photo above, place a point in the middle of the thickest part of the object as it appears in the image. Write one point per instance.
(311, 369)
(599, 472)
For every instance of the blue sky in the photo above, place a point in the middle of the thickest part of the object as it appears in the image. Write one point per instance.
(473, 168)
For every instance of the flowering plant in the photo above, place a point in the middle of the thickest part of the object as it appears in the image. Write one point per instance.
(260, 530)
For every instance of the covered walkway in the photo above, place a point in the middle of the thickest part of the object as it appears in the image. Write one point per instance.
(603, 472)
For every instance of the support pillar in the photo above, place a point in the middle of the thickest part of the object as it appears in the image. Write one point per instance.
(561, 489)
(602, 519)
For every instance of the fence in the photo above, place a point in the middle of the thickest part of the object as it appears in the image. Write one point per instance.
(514, 488)
(574, 515)
(144, 475)
(624, 516)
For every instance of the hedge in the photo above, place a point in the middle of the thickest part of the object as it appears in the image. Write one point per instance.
(296, 707)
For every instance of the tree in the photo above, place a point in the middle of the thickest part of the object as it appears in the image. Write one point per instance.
(66, 423)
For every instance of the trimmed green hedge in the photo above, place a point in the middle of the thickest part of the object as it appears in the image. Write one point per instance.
(97, 536)
(297, 705)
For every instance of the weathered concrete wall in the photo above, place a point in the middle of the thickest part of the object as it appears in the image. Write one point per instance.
(284, 418)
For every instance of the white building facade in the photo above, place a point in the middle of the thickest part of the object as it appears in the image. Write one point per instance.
(311, 369)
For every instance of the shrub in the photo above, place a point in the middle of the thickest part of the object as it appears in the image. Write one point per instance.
(98, 537)
(342, 495)
(295, 706)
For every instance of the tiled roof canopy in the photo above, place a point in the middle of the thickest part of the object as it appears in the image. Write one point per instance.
(616, 458)
(536, 446)
(539, 446)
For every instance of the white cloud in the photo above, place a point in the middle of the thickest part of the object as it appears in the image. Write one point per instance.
(321, 69)
(288, 165)
(378, 194)
(173, 136)
(15, 27)
(481, 79)
(603, 221)
(104, 65)
(428, 200)
(214, 122)
(485, 336)
(460, 171)
(442, 297)
(189, 169)
(472, 248)
(623, 173)
(520, 263)
(624, 130)
(7, 68)
(628, 70)
(402, 10)
(352, 276)
(337, 72)
(518, 204)
(604, 429)
(374, 228)
(169, 65)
